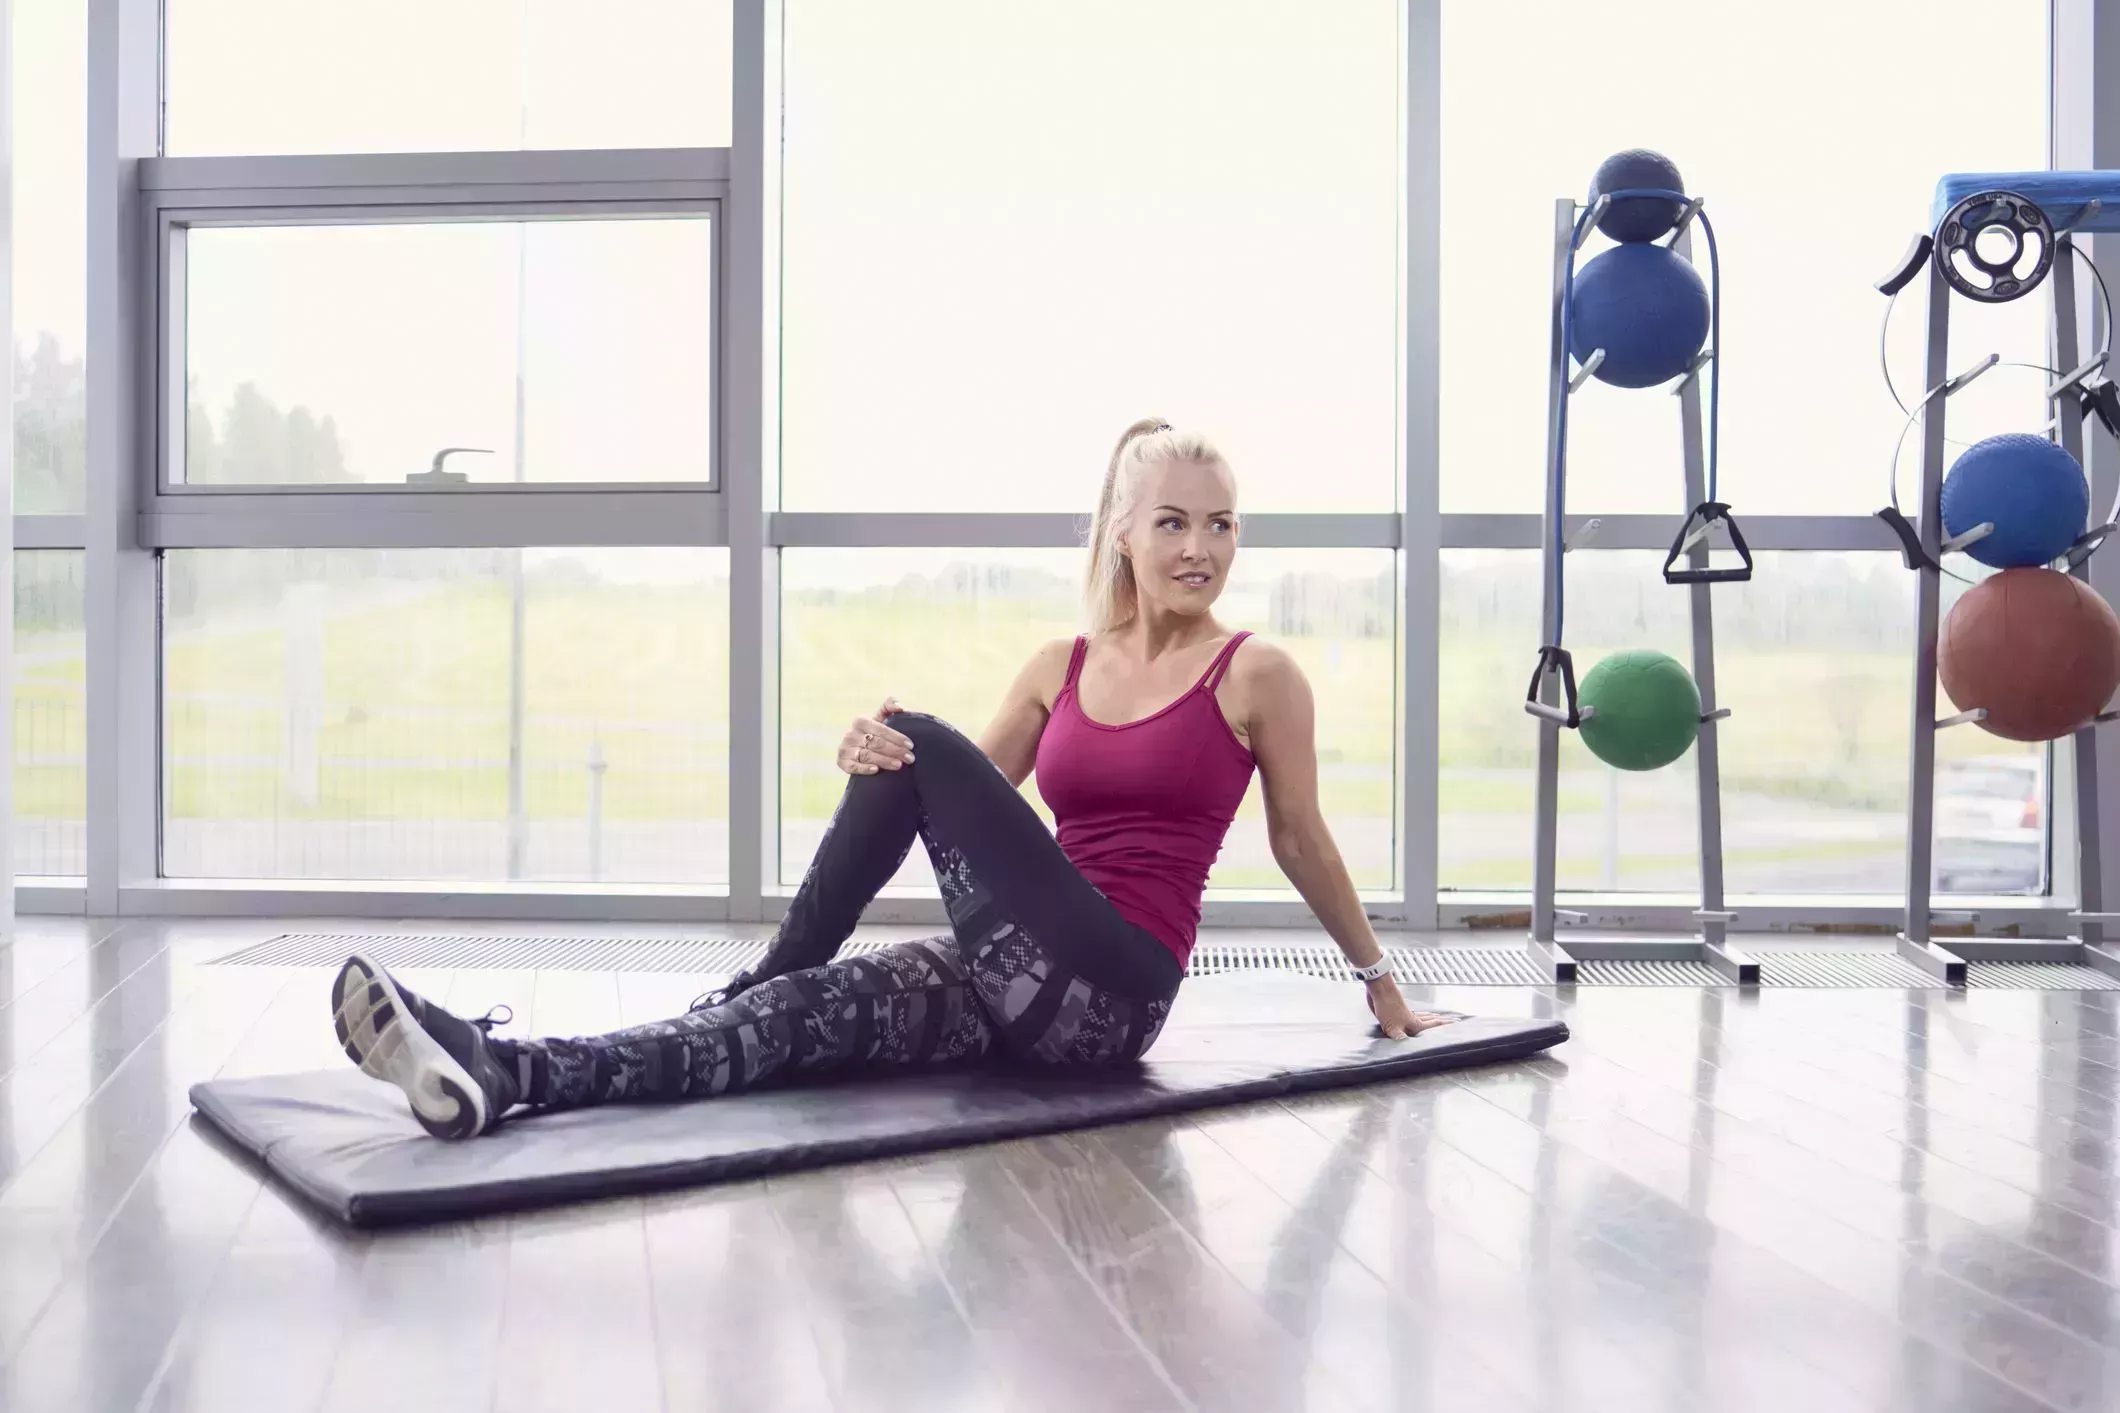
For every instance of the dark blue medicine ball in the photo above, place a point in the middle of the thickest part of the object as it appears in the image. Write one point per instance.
(1646, 307)
(2029, 489)
(1636, 218)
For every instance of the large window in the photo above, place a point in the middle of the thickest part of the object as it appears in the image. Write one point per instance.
(1010, 230)
(947, 630)
(47, 81)
(1817, 173)
(1813, 658)
(485, 715)
(553, 422)
(47, 89)
(350, 355)
(266, 76)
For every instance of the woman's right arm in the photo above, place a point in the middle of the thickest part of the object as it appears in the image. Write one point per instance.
(1011, 738)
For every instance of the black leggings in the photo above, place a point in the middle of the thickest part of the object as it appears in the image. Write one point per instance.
(1038, 963)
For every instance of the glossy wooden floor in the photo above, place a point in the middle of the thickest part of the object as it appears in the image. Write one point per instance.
(1804, 1200)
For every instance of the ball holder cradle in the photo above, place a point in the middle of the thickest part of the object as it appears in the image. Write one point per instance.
(1551, 697)
(1967, 206)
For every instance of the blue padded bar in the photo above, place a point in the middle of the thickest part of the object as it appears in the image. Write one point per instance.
(2060, 194)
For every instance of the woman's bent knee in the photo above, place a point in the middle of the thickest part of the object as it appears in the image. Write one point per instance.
(929, 733)
(936, 743)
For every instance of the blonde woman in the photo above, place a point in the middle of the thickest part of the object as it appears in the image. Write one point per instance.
(1065, 951)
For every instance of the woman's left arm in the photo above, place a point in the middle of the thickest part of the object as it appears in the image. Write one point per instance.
(1281, 717)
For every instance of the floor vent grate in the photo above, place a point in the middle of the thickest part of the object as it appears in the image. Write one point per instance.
(1416, 966)
(2037, 976)
(1659, 973)
(1849, 970)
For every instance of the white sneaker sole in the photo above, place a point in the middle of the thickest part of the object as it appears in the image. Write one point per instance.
(381, 1037)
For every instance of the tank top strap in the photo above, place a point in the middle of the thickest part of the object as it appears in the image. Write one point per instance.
(1074, 662)
(1220, 666)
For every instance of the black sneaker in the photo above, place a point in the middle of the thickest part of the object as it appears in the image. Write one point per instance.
(456, 1085)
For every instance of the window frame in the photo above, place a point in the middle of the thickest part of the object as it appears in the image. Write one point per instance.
(183, 194)
(135, 195)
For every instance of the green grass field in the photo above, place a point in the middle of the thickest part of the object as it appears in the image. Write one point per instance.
(408, 708)
(51, 726)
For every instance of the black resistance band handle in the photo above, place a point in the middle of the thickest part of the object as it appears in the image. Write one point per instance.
(1550, 660)
(1704, 516)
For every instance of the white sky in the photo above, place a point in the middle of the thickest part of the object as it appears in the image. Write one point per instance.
(51, 185)
(273, 76)
(1013, 227)
(1816, 129)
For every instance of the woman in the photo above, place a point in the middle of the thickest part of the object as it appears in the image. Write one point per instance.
(1066, 952)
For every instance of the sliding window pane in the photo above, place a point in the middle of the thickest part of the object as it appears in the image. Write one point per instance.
(355, 714)
(562, 351)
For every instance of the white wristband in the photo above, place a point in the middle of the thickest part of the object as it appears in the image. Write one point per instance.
(1380, 967)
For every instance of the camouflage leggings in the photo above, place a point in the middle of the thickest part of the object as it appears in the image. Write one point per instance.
(990, 985)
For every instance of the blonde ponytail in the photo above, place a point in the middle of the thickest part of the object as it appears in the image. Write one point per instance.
(1108, 590)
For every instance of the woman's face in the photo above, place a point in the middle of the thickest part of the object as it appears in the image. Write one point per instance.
(1182, 536)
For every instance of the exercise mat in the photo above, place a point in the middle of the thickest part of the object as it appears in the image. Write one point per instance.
(348, 1143)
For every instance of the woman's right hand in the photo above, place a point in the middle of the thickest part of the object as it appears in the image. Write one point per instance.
(870, 746)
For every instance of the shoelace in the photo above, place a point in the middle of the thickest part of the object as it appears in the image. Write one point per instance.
(495, 1017)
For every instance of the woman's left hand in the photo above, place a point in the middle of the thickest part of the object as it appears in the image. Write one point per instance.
(1392, 1013)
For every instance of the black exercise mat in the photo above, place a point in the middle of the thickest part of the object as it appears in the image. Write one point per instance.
(347, 1142)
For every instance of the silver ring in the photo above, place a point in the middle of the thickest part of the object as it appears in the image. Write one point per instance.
(868, 738)
(859, 752)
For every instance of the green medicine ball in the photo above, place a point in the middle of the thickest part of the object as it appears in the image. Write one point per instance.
(1648, 710)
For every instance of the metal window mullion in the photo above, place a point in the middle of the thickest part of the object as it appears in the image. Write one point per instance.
(385, 205)
(1830, 533)
(1054, 530)
(123, 675)
(47, 532)
(1420, 527)
(750, 373)
(587, 168)
(432, 520)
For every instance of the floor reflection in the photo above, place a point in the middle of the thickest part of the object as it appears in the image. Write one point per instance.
(1709, 1200)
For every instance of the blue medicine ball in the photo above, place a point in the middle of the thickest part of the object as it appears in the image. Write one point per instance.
(1646, 307)
(1637, 217)
(2028, 488)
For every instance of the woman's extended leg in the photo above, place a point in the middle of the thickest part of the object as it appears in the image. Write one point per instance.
(908, 1005)
(905, 1006)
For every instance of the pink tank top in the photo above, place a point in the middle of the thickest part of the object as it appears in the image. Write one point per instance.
(1142, 808)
